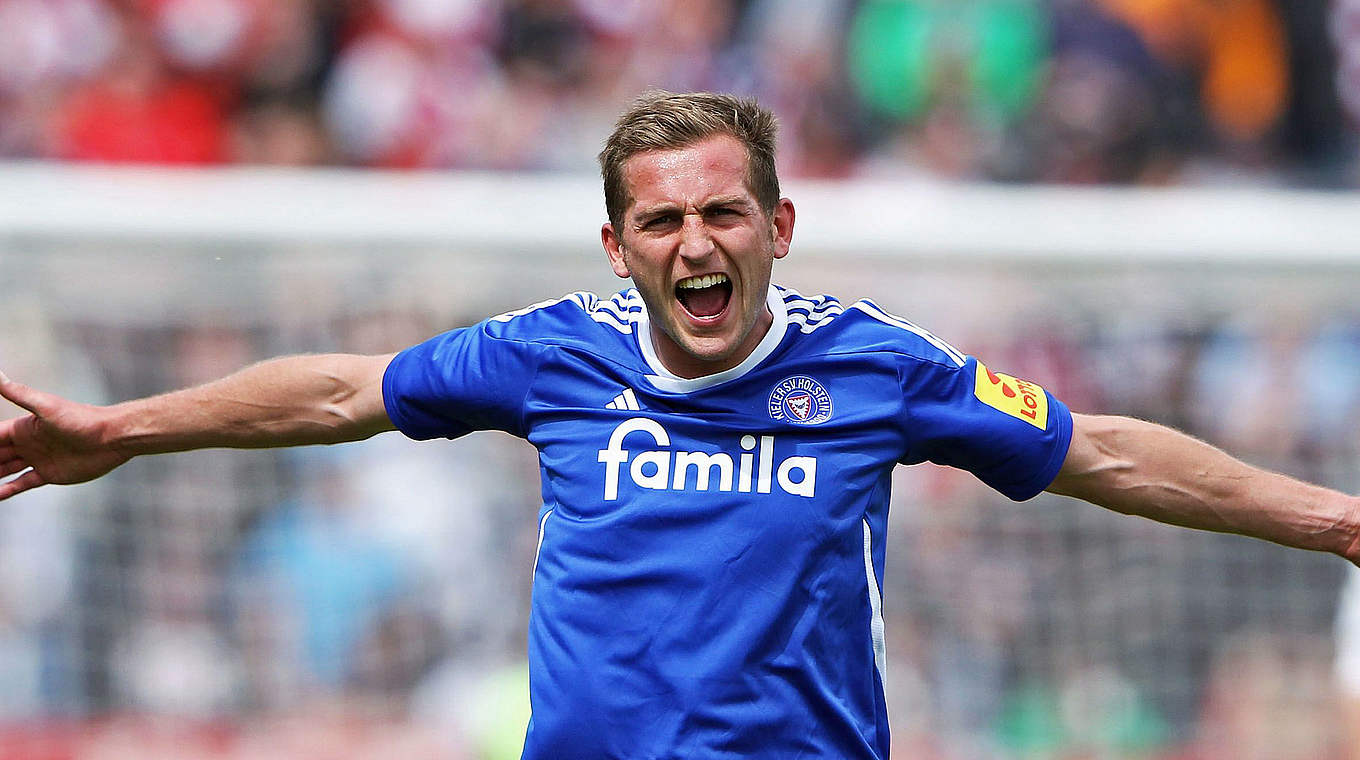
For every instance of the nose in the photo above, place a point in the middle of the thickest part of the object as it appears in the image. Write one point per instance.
(695, 241)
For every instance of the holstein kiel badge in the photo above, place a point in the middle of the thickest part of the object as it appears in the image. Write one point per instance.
(801, 400)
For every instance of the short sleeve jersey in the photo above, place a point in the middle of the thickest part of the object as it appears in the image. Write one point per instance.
(711, 549)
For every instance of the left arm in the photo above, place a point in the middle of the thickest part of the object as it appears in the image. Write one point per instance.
(1140, 468)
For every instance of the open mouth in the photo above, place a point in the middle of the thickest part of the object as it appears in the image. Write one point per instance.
(704, 296)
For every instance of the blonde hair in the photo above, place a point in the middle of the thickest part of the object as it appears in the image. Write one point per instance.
(660, 120)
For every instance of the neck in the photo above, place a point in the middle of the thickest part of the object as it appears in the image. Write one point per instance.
(688, 365)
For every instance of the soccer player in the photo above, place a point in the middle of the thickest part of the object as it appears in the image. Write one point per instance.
(715, 455)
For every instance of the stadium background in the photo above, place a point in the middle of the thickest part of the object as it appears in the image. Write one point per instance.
(1148, 206)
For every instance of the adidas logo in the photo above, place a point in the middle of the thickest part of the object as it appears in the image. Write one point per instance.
(624, 401)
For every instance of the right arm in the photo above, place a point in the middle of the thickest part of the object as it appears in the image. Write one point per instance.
(291, 401)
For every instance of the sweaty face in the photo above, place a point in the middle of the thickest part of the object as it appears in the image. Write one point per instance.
(699, 249)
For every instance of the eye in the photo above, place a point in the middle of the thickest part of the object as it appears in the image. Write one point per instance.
(658, 222)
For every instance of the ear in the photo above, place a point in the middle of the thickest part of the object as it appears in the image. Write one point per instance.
(613, 248)
(783, 227)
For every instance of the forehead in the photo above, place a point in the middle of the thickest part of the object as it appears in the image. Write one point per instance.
(687, 175)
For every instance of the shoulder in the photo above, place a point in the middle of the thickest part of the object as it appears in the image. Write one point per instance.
(575, 317)
(863, 326)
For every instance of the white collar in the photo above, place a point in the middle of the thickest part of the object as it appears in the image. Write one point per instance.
(668, 381)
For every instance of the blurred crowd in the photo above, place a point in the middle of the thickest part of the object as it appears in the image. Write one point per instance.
(1070, 91)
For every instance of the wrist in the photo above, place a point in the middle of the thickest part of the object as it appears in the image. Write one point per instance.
(117, 429)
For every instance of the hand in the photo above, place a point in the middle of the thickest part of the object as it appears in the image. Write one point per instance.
(59, 442)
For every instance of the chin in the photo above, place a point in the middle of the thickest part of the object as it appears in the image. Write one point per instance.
(707, 352)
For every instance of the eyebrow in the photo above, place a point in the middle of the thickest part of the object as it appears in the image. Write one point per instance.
(668, 206)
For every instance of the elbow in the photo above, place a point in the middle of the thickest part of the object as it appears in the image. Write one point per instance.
(341, 413)
(1119, 463)
(1351, 532)
(1095, 468)
(353, 408)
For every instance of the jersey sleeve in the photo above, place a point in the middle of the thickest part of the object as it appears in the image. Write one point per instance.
(1011, 433)
(464, 380)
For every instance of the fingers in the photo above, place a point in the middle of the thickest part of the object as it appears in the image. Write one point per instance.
(7, 434)
(29, 399)
(10, 463)
(30, 479)
(6, 426)
(9, 467)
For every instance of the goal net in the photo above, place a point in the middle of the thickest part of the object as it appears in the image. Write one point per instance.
(370, 600)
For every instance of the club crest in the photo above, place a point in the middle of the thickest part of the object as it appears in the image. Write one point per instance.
(800, 399)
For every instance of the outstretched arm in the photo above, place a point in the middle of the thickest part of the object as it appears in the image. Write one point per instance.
(291, 401)
(1140, 468)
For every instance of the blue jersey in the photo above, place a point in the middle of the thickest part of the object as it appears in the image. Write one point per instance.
(711, 549)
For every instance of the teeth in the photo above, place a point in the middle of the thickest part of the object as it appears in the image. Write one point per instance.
(702, 281)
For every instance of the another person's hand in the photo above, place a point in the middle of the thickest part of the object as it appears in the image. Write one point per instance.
(58, 442)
